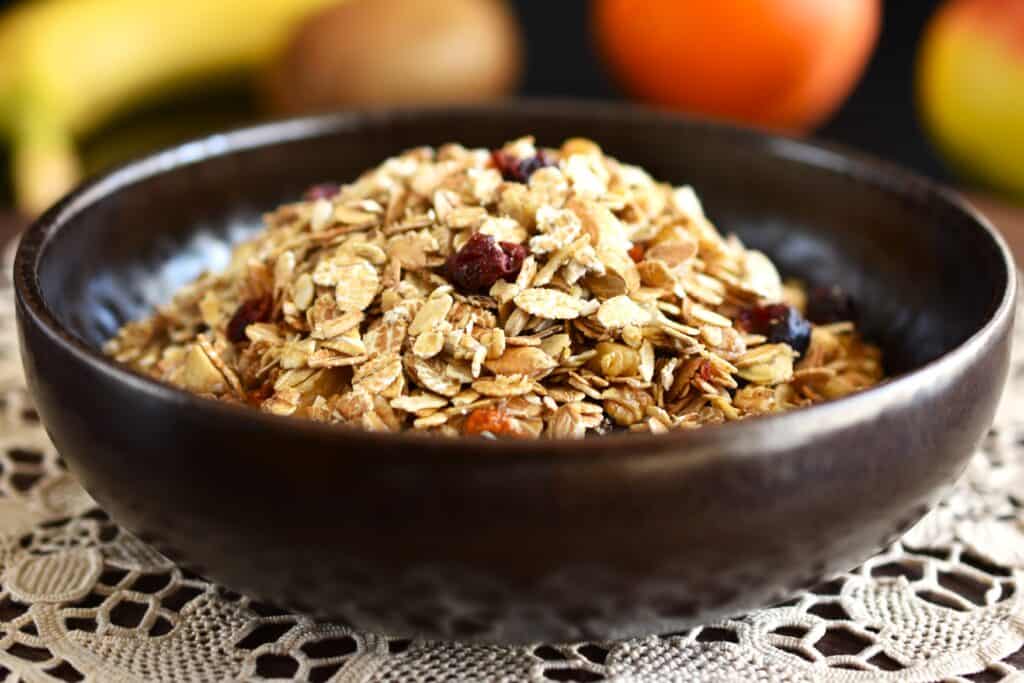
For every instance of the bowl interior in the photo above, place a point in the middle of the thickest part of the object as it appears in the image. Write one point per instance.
(924, 274)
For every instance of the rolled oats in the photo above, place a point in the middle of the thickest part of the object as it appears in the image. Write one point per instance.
(590, 298)
(551, 304)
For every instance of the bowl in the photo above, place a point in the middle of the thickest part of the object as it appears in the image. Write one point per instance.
(519, 541)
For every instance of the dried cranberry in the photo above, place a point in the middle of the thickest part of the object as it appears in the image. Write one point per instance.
(260, 394)
(519, 170)
(491, 420)
(481, 262)
(706, 371)
(830, 305)
(781, 324)
(321, 191)
(256, 310)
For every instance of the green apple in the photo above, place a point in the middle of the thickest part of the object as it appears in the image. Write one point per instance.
(970, 76)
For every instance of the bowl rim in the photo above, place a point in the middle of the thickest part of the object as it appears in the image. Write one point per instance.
(785, 429)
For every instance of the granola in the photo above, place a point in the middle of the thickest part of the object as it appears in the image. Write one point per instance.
(523, 292)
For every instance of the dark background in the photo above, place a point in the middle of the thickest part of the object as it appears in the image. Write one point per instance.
(879, 117)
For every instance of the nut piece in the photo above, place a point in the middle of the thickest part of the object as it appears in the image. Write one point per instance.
(522, 360)
(200, 374)
(626, 405)
(615, 360)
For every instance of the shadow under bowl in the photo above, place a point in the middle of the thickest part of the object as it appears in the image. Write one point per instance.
(511, 542)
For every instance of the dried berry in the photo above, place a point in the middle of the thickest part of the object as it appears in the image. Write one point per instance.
(706, 371)
(321, 191)
(519, 170)
(830, 305)
(260, 394)
(493, 420)
(636, 252)
(482, 261)
(256, 310)
(780, 323)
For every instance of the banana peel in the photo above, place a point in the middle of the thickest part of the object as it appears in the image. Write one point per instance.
(68, 66)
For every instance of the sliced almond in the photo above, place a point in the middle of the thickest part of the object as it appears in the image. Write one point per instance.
(522, 360)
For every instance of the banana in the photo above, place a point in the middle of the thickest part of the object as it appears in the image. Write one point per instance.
(67, 66)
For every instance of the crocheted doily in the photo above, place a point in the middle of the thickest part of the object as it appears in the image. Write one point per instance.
(82, 599)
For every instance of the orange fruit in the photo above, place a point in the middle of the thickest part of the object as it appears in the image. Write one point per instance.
(781, 64)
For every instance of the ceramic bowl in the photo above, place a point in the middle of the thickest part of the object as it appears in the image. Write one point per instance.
(515, 541)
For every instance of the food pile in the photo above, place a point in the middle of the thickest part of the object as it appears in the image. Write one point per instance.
(520, 292)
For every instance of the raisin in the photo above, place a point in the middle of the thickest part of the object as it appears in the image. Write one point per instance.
(256, 310)
(781, 324)
(260, 394)
(830, 305)
(321, 191)
(491, 419)
(519, 170)
(482, 261)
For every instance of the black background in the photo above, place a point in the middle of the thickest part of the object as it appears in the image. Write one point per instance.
(879, 117)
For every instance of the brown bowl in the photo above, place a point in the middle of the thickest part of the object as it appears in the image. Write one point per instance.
(549, 540)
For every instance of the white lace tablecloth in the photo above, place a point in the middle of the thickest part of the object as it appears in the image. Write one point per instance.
(82, 599)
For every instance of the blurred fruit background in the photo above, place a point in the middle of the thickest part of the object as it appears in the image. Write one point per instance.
(934, 84)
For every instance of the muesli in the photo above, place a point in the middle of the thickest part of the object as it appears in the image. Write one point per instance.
(520, 292)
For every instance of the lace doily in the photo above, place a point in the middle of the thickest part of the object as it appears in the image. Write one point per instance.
(82, 599)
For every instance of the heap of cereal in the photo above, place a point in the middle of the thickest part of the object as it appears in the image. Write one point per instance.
(522, 292)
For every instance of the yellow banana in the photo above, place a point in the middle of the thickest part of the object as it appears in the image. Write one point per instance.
(66, 66)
